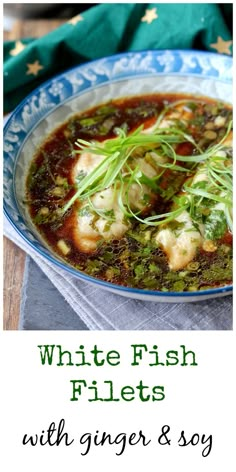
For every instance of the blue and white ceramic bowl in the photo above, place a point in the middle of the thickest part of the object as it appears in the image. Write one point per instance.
(83, 87)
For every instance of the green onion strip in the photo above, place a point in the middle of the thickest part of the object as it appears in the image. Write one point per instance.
(114, 170)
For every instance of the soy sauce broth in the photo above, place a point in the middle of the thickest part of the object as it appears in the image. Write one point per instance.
(135, 259)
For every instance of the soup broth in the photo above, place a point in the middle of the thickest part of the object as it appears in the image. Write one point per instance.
(138, 192)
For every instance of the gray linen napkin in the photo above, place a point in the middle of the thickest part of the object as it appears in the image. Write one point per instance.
(42, 306)
(102, 310)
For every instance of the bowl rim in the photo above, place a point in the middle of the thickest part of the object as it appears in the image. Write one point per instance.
(227, 289)
(119, 55)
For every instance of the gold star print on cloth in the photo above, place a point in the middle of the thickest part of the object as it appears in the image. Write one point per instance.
(110, 28)
(150, 16)
(34, 68)
(222, 46)
(75, 20)
(19, 46)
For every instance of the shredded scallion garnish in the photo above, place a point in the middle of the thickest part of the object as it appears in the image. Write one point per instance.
(116, 171)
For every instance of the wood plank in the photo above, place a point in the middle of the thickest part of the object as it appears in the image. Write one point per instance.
(13, 269)
(31, 28)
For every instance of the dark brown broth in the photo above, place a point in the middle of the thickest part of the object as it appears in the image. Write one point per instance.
(119, 261)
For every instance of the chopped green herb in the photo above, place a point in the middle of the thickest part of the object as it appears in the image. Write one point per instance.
(215, 225)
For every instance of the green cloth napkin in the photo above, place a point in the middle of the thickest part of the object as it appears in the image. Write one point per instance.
(107, 29)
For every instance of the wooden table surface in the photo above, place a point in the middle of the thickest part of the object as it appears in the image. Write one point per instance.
(14, 258)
